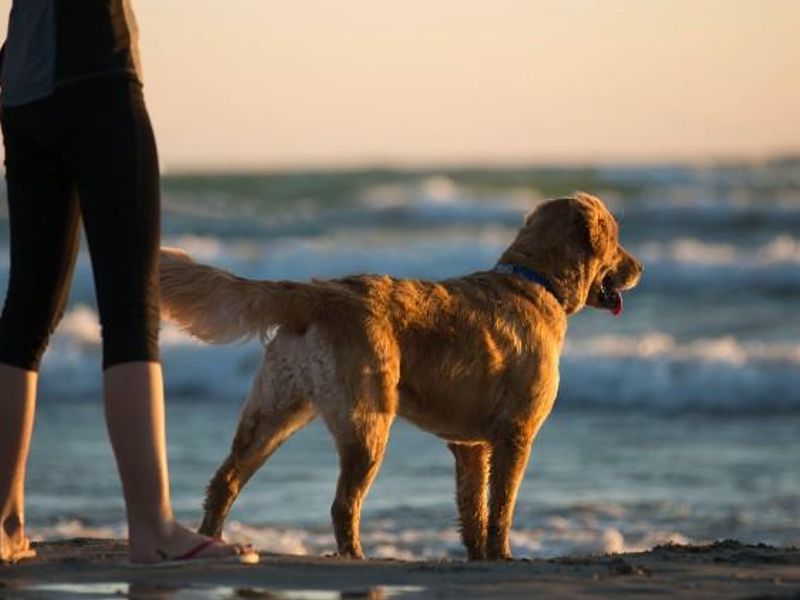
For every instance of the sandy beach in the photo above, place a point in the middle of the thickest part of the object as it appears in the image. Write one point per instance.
(97, 568)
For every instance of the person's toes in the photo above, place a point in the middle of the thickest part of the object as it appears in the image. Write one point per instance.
(24, 554)
(245, 548)
(218, 548)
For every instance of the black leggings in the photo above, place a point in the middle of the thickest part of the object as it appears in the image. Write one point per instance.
(87, 151)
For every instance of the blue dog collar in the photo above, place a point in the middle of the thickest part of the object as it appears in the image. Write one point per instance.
(528, 274)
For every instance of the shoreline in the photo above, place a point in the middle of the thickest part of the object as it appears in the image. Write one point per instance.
(88, 567)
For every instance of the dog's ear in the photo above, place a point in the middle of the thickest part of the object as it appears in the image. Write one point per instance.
(580, 217)
(550, 212)
(594, 226)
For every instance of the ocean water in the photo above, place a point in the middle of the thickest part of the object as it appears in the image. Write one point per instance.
(679, 421)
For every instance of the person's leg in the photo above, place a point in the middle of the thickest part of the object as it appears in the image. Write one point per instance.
(43, 225)
(135, 416)
(116, 169)
(16, 425)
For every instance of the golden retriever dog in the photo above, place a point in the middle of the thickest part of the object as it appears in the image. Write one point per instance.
(473, 360)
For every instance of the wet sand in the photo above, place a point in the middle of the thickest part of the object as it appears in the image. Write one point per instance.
(96, 568)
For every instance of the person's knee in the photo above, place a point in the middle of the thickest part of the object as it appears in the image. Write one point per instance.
(130, 311)
(130, 339)
(26, 325)
(23, 340)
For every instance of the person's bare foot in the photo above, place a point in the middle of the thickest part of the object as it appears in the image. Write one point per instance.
(181, 542)
(14, 544)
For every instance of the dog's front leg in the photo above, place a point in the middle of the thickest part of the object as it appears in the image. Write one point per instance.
(472, 481)
(508, 460)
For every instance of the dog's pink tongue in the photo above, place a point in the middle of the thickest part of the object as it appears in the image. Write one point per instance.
(617, 310)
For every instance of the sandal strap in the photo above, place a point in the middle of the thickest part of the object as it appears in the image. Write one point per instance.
(197, 549)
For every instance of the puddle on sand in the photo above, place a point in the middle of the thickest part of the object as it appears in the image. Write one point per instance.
(139, 591)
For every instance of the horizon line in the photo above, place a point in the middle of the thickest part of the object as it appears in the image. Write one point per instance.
(397, 165)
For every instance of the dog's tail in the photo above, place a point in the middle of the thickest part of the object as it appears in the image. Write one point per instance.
(219, 307)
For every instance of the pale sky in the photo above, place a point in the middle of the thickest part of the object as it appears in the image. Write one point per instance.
(274, 83)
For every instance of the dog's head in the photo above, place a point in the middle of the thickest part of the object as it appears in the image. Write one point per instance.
(573, 242)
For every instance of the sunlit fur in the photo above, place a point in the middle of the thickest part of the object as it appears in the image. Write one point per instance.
(472, 359)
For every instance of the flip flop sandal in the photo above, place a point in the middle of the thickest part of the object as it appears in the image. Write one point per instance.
(191, 558)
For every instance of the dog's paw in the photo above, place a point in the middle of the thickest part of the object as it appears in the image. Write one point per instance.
(350, 554)
(499, 555)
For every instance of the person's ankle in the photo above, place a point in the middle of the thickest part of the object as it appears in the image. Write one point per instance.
(13, 524)
(151, 533)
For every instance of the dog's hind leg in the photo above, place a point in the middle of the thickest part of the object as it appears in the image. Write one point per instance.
(272, 414)
(355, 390)
(472, 480)
(361, 448)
